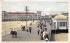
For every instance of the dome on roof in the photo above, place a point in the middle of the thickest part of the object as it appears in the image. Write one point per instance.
(60, 17)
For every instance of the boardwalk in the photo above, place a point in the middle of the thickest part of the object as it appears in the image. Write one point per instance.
(23, 36)
(26, 36)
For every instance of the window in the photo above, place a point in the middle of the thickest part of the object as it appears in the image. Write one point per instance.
(63, 23)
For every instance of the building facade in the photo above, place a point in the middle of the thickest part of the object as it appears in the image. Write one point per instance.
(20, 15)
(60, 22)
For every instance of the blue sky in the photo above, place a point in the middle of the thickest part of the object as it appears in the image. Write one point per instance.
(40, 5)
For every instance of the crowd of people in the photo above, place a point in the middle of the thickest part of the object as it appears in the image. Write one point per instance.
(23, 28)
(42, 31)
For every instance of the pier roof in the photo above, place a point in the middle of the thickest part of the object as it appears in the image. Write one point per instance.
(60, 16)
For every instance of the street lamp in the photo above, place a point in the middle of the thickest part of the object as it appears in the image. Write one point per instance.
(26, 9)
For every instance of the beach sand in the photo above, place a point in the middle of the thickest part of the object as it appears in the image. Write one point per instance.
(61, 37)
(16, 25)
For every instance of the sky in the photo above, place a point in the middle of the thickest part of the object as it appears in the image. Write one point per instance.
(38, 0)
(40, 5)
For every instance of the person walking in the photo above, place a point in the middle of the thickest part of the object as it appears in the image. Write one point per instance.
(45, 35)
(38, 31)
(30, 28)
(41, 34)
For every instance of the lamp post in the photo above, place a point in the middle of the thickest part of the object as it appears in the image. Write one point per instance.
(26, 8)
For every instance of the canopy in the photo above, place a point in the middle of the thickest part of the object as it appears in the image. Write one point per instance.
(60, 17)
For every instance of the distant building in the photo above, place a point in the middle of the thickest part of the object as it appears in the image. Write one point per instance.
(66, 13)
(20, 15)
